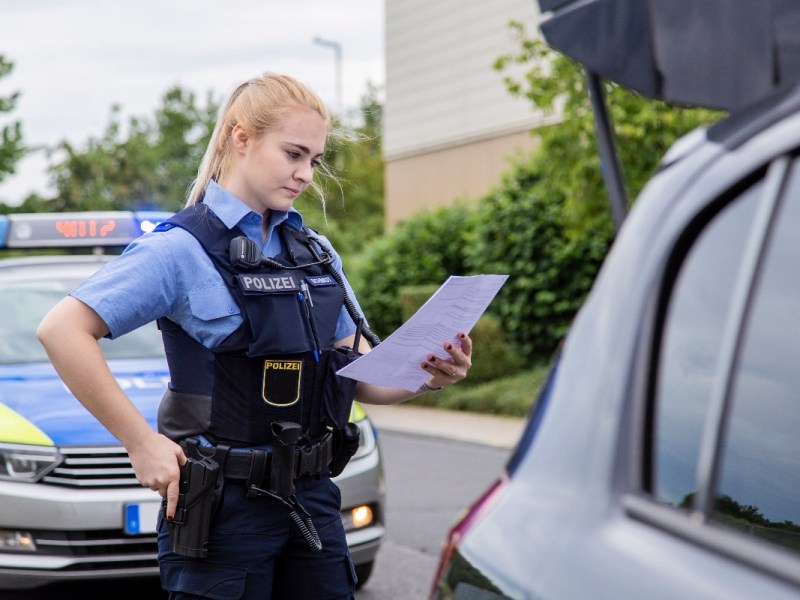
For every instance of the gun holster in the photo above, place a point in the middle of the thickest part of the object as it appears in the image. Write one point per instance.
(200, 487)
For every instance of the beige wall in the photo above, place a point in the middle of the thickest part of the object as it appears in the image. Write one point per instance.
(436, 178)
(449, 123)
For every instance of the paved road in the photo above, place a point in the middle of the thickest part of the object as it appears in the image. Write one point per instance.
(429, 482)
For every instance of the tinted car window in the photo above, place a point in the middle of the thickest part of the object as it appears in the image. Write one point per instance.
(24, 304)
(693, 327)
(759, 489)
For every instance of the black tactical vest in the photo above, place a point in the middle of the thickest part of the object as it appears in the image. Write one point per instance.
(279, 365)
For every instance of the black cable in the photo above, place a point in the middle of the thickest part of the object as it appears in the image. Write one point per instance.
(307, 529)
(348, 303)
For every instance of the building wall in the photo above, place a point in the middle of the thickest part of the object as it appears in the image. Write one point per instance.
(423, 181)
(449, 123)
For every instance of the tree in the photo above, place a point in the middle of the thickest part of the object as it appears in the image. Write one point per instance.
(353, 213)
(149, 164)
(568, 157)
(521, 231)
(11, 144)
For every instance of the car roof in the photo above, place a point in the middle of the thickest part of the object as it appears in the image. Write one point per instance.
(37, 268)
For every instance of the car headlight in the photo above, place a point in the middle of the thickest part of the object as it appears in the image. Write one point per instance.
(25, 463)
(366, 441)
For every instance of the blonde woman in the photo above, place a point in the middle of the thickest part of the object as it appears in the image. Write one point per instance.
(256, 316)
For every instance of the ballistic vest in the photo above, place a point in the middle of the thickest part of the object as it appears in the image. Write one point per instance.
(278, 365)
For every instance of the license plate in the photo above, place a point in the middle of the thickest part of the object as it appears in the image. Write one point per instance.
(141, 517)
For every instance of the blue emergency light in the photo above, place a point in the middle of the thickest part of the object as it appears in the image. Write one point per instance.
(76, 229)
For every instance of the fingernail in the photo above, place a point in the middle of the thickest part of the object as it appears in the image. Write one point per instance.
(448, 346)
(462, 335)
(432, 358)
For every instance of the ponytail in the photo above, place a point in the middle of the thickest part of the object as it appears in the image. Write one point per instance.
(256, 105)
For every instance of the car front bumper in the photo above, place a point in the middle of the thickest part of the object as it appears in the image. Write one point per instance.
(80, 533)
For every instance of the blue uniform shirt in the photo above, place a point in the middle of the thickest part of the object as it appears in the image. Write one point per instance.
(168, 274)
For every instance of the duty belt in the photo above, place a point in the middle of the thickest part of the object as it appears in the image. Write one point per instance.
(265, 473)
(252, 465)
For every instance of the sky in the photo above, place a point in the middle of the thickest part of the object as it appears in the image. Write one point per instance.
(74, 59)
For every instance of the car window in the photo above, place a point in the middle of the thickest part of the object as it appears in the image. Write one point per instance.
(692, 333)
(759, 489)
(24, 304)
(758, 467)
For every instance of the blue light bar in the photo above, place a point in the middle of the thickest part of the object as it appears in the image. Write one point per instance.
(76, 230)
(149, 219)
(4, 223)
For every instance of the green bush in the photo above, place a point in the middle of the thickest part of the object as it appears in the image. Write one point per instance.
(511, 396)
(413, 296)
(423, 250)
(518, 229)
(492, 357)
(521, 231)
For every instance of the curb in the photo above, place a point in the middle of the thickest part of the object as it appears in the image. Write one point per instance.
(490, 430)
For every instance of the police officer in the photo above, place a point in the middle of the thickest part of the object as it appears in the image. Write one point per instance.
(256, 316)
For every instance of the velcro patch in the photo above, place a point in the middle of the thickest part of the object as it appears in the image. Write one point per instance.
(268, 284)
(281, 383)
(320, 280)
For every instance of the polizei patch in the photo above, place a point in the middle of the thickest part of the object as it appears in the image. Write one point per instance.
(281, 383)
(269, 284)
(320, 280)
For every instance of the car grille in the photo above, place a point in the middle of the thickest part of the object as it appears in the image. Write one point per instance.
(93, 467)
(97, 550)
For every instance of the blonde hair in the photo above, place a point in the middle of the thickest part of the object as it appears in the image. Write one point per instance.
(257, 105)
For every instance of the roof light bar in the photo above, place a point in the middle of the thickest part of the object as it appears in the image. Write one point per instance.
(78, 229)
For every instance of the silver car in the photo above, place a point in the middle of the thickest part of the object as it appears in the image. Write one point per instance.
(662, 460)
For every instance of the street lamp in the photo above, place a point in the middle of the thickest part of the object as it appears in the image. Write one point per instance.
(337, 49)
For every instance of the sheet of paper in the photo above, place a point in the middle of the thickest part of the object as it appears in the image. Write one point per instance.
(456, 306)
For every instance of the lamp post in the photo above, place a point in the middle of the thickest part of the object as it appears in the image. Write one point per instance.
(337, 49)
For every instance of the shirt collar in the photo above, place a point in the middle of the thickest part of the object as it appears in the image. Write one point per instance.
(232, 211)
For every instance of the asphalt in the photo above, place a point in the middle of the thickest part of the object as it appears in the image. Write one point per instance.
(491, 430)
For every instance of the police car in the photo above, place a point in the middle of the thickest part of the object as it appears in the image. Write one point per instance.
(71, 506)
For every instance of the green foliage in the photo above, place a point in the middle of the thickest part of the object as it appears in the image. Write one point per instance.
(522, 232)
(412, 297)
(353, 213)
(511, 396)
(11, 144)
(150, 163)
(493, 357)
(569, 160)
(423, 250)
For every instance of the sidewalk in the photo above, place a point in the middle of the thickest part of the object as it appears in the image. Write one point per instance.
(492, 430)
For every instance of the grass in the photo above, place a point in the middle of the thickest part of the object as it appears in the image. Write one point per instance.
(511, 396)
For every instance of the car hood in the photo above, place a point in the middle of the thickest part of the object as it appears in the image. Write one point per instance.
(36, 407)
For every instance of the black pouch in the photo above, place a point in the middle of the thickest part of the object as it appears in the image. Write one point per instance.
(337, 392)
(345, 445)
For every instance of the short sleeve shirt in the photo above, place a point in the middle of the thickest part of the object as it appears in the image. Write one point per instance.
(168, 274)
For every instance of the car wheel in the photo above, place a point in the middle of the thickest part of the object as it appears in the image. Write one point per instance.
(363, 571)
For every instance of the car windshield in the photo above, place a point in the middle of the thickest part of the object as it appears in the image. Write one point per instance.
(24, 304)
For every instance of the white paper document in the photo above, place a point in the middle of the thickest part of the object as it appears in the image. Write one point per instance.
(456, 306)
